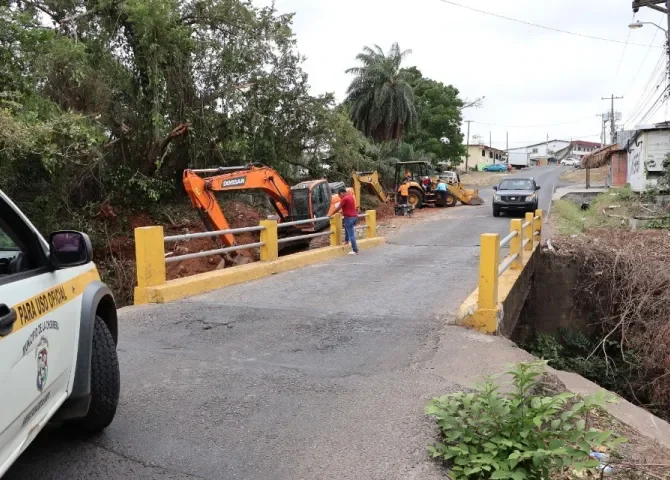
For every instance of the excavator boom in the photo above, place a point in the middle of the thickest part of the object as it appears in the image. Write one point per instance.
(309, 199)
(260, 177)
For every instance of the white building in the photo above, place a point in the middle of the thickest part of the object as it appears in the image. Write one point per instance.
(648, 148)
(548, 152)
(533, 154)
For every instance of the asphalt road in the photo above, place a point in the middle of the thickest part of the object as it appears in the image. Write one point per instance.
(318, 373)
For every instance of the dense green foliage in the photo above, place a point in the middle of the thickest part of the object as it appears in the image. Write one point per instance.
(438, 106)
(606, 364)
(519, 435)
(109, 100)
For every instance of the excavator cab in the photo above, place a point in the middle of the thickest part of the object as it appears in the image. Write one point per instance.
(311, 199)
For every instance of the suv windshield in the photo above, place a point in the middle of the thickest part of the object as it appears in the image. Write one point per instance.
(518, 184)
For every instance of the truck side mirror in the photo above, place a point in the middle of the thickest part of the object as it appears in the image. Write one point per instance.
(69, 249)
(495, 187)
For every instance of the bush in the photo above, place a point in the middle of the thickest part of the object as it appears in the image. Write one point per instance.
(522, 435)
(607, 363)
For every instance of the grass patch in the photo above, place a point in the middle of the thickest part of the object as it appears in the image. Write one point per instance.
(568, 217)
(610, 209)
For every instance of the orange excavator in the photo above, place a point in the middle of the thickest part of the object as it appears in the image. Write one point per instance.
(304, 201)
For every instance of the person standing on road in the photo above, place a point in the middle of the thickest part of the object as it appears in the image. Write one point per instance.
(350, 214)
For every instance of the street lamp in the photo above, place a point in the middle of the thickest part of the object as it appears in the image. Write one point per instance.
(639, 24)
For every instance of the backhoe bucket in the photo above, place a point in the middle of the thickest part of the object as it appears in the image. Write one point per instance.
(471, 197)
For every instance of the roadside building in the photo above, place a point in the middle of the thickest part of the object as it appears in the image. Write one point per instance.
(551, 152)
(482, 155)
(639, 159)
(647, 148)
(615, 157)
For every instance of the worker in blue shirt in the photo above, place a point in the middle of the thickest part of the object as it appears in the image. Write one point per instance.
(442, 191)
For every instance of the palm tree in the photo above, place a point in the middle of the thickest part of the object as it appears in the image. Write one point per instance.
(380, 97)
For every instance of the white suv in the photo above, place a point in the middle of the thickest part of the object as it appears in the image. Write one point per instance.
(58, 334)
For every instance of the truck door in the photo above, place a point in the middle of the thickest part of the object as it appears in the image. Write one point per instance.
(39, 320)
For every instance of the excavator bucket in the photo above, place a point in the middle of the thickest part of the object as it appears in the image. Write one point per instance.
(472, 198)
(465, 196)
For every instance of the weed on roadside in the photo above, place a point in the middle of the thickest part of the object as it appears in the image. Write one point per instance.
(521, 435)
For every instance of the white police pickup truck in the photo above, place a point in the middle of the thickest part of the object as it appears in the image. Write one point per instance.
(58, 335)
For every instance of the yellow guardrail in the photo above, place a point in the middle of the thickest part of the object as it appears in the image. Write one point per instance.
(151, 259)
(521, 241)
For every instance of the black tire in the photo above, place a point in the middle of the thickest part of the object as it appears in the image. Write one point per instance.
(496, 212)
(415, 198)
(105, 382)
(451, 200)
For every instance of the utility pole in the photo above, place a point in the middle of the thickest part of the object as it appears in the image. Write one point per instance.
(662, 6)
(467, 148)
(507, 144)
(602, 128)
(612, 118)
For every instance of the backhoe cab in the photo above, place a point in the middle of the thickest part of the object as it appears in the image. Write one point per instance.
(416, 171)
(307, 200)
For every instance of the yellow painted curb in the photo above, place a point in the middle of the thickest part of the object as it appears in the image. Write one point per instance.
(206, 282)
(469, 315)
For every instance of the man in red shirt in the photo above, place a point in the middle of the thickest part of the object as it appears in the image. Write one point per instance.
(348, 207)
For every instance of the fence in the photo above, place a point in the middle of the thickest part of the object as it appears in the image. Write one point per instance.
(521, 241)
(150, 243)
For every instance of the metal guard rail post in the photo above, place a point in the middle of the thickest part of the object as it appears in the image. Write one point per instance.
(150, 243)
(520, 240)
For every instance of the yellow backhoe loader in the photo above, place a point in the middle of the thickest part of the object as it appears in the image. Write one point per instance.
(415, 172)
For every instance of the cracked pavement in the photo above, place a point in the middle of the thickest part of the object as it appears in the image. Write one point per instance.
(317, 373)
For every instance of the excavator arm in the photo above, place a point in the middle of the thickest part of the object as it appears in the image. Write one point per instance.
(226, 179)
(371, 180)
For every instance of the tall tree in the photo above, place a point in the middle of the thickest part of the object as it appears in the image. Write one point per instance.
(112, 99)
(439, 111)
(380, 97)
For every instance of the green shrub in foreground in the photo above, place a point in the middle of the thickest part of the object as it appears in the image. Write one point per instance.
(520, 435)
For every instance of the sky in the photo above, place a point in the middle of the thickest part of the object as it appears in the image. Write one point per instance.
(536, 82)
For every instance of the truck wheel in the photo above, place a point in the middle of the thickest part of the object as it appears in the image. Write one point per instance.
(451, 200)
(105, 382)
(496, 212)
(415, 198)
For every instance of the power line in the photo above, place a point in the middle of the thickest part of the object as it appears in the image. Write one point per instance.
(523, 22)
(656, 105)
(647, 94)
(623, 53)
(646, 97)
(533, 126)
(646, 55)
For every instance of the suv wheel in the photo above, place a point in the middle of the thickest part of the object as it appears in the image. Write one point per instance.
(105, 382)
(496, 212)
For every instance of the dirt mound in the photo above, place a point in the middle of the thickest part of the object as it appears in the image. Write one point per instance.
(385, 210)
(238, 215)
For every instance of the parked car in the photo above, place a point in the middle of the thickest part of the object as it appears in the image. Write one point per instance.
(496, 167)
(58, 335)
(570, 162)
(515, 194)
